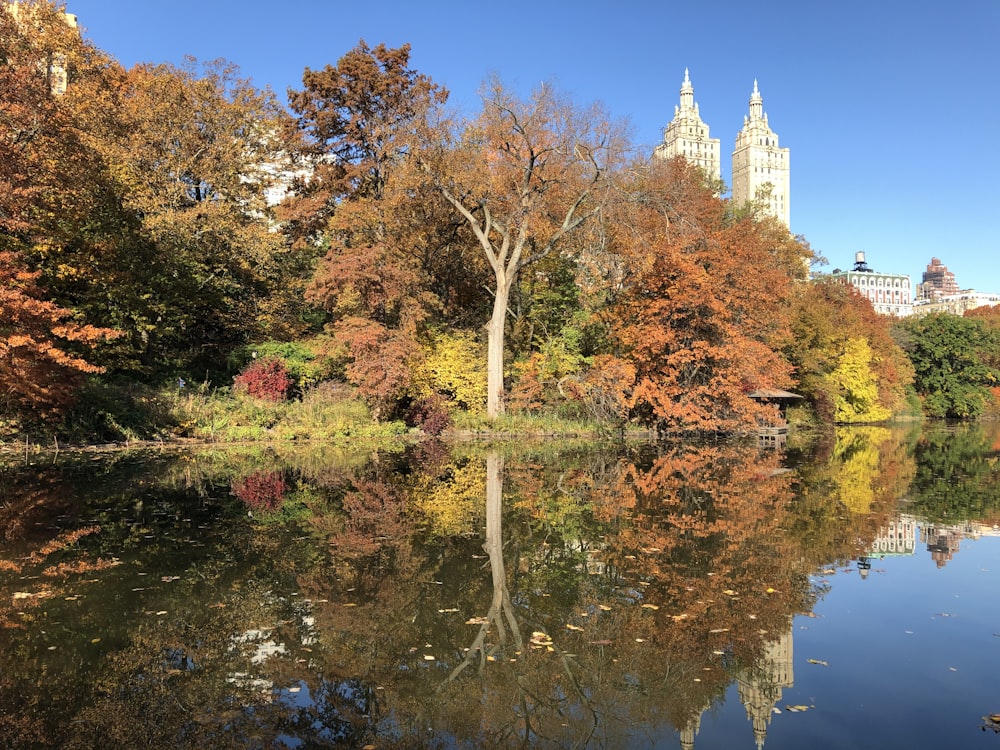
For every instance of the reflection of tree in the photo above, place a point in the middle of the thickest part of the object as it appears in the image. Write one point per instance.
(849, 490)
(625, 592)
(501, 610)
(957, 478)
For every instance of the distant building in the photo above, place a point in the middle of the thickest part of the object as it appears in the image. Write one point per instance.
(687, 135)
(956, 304)
(54, 67)
(889, 293)
(937, 282)
(760, 167)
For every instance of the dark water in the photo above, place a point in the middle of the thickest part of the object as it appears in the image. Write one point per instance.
(840, 594)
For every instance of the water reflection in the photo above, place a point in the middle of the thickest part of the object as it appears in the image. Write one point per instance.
(429, 597)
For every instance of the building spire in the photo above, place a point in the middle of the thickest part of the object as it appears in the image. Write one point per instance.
(756, 103)
(687, 92)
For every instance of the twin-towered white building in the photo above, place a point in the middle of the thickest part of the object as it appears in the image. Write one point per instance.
(761, 167)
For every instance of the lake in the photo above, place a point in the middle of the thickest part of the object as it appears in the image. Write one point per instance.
(838, 593)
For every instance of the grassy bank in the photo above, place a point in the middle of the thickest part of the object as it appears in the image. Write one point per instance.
(330, 412)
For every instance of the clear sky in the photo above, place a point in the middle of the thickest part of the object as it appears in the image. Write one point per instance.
(889, 107)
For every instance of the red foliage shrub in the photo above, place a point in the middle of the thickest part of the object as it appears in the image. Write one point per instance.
(266, 379)
(262, 491)
(429, 414)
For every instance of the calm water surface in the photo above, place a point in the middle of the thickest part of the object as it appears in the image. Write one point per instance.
(842, 593)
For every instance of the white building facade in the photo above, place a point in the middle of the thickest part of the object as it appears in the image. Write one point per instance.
(687, 135)
(889, 293)
(761, 168)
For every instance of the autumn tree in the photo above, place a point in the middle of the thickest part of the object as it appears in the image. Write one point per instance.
(848, 365)
(393, 260)
(42, 344)
(703, 307)
(524, 176)
(193, 151)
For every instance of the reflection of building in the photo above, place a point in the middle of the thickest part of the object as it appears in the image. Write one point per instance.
(760, 687)
(889, 293)
(687, 135)
(899, 537)
(943, 542)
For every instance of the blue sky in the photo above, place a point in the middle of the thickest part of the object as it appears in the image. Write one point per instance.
(889, 107)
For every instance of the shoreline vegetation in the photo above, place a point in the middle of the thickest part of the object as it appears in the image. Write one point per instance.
(137, 418)
(183, 256)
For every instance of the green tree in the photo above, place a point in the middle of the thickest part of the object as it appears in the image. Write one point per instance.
(951, 357)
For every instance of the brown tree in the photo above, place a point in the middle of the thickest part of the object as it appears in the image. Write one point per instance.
(42, 172)
(393, 261)
(524, 175)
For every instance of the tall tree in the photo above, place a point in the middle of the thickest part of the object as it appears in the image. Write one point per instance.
(193, 151)
(43, 173)
(524, 175)
(703, 307)
(394, 257)
(836, 331)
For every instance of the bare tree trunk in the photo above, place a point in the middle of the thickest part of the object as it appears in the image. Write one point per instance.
(495, 345)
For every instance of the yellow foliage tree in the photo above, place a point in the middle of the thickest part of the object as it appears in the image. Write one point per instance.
(856, 385)
(452, 367)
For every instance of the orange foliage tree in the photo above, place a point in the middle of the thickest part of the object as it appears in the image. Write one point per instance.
(41, 344)
(703, 307)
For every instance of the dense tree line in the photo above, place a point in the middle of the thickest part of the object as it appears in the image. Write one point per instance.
(526, 256)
